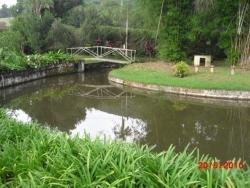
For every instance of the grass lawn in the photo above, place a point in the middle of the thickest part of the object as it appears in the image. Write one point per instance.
(32, 156)
(162, 74)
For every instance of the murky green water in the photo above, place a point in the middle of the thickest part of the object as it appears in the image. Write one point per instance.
(87, 103)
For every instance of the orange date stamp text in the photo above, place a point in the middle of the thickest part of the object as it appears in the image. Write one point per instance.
(204, 165)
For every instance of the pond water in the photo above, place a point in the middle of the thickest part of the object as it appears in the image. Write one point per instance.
(88, 103)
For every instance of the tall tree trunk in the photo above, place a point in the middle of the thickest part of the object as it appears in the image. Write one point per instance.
(159, 23)
(242, 41)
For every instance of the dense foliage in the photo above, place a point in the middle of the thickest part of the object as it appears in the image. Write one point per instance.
(53, 159)
(188, 27)
(173, 29)
(39, 61)
(10, 60)
(55, 24)
(13, 61)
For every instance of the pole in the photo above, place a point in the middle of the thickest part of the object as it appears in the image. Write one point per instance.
(126, 42)
(159, 23)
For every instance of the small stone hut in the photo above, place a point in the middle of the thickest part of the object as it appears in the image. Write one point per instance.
(202, 60)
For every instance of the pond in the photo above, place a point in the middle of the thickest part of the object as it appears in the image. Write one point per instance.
(88, 103)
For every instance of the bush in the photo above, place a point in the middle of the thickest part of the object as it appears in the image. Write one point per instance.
(11, 60)
(39, 61)
(60, 36)
(181, 69)
(11, 40)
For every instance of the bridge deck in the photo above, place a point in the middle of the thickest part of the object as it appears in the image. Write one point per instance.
(107, 60)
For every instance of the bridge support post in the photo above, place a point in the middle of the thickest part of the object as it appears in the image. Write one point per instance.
(81, 67)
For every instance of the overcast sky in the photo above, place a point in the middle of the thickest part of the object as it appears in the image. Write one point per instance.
(7, 2)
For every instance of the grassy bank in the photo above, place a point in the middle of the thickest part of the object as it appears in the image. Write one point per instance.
(31, 156)
(162, 74)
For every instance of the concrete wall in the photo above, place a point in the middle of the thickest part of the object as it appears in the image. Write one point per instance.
(14, 78)
(222, 94)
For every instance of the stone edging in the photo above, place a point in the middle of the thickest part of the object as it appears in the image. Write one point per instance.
(14, 78)
(222, 94)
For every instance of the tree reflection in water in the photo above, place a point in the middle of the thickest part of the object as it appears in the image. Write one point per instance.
(99, 124)
(239, 135)
(219, 128)
(135, 132)
(201, 131)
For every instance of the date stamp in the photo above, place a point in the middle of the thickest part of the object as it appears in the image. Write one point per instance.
(204, 165)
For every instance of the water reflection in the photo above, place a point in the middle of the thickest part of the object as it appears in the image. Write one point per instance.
(19, 115)
(101, 124)
(78, 104)
(200, 132)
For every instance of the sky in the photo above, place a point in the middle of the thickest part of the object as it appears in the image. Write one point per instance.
(7, 2)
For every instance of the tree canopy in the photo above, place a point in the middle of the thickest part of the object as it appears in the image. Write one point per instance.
(174, 29)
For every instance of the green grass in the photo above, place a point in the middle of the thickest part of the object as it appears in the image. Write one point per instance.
(221, 79)
(32, 156)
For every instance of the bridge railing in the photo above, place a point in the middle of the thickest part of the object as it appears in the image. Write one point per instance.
(102, 92)
(104, 51)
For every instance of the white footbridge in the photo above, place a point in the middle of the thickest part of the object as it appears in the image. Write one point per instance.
(105, 54)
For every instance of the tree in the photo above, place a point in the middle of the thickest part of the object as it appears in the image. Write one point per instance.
(90, 27)
(203, 5)
(28, 26)
(241, 46)
(75, 16)
(11, 40)
(199, 26)
(176, 24)
(38, 6)
(60, 36)
(61, 7)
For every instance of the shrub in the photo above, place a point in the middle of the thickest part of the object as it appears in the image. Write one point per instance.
(39, 61)
(11, 60)
(181, 69)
